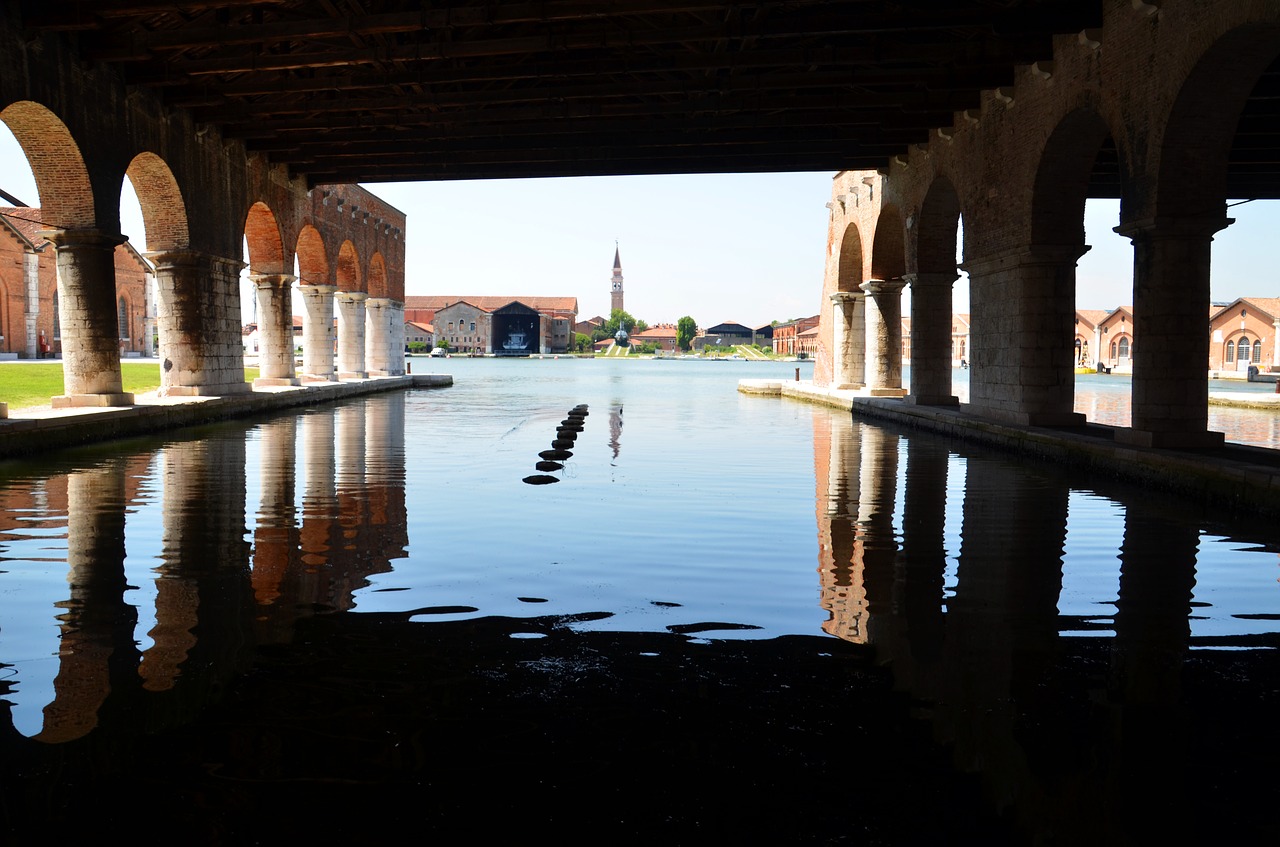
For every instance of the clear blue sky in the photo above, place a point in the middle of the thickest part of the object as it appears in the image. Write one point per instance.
(737, 247)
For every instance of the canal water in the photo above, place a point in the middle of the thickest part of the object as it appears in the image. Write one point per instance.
(723, 617)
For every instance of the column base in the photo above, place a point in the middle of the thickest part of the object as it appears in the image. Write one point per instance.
(306, 378)
(932, 400)
(4, 410)
(353, 374)
(207, 390)
(848, 386)
(886, 392)
(87, 401)
(1170, 440)
(1047, 419)
(273, 381)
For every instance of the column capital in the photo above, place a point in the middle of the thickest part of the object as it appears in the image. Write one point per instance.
(1202, 226)
(316, 288)
(884, 286)
(351, 296)
(847, 296)
(272, 280)
(923, 279)
(1022, 255)
(82, 238)
(170, 259)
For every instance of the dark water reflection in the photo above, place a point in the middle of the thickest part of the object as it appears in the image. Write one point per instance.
(289, 629)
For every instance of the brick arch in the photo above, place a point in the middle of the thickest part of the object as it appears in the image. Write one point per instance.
(348, 276)
(1192, 176)
(62, 180)
(1062, 178)
(266, 247)
(313, 261)
(849, 269)
(888, 248)
(164, 211)
(936, 228)
(377, 277)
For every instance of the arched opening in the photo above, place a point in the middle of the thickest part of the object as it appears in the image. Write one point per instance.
(1080, 162)
(348, 276)
(377, 277)
(939, 325)
(850, 268)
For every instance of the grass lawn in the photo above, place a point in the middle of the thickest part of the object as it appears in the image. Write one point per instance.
(32, 384)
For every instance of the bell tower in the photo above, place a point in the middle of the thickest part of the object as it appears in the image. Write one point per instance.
(616, 284)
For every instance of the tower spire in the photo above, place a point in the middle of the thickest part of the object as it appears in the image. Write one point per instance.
(616, 284)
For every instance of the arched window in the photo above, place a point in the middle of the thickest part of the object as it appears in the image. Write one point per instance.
(1242, 350)
(1124, 348)
(1230, 353)
(1257, 352)
(122, 317)
(1113, 350)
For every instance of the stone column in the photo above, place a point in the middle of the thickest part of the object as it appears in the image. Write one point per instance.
(201, 353)
(275, 534)
(1020, 357)
(836, 463)
(931, 339)
(149, 314)
(351, 334)
(1275, 345)
(884, 337)
(848, 334)
(31, 276)
(88, 318)
(384, 336)
(317, 332)
(275, 327)
(1171, 340)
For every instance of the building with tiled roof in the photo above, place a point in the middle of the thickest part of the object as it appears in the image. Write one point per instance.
(1243, 333)
(29, 324)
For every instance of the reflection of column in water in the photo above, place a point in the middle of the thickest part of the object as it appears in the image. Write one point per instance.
(615, 428)
(319, 509)
(384, 465)
(1157, 580)
(204, 581)
(835, 459)
(275, 535)
(922, 564)
(877, 551)
(1002, 621)
(97, 623)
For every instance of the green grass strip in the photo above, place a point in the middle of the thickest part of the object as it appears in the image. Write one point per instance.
(24, 384)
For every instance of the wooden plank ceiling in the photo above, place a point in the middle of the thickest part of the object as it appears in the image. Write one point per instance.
(379, 90)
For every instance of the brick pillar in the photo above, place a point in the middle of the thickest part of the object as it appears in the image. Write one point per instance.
(317, 332)
(931, 339)
(88, 318)
(275, 327)
(1171, 339)
(884, 337)
(31, 276)
(384, 336)
(848, 334)
(1020, 351)
(351, 334)
(201, 352)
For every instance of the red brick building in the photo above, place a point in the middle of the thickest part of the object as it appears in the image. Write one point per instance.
(785, 336)
(29, 325)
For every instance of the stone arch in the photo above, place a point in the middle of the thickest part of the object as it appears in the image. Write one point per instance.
(377, 277)
(1195, 150)
(347, 273)
(1062, 178)
(266, 246)
(62, 180)
(888, 249)
(313, 263)
(936, 228)
(850, 264)
(164, 210)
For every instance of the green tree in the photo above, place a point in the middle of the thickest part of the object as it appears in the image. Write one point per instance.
(582, 342)
(619, 318)
(443, 342)
(686, 329)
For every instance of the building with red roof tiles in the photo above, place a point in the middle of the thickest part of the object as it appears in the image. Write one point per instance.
(29, 323)
(1243, 334)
